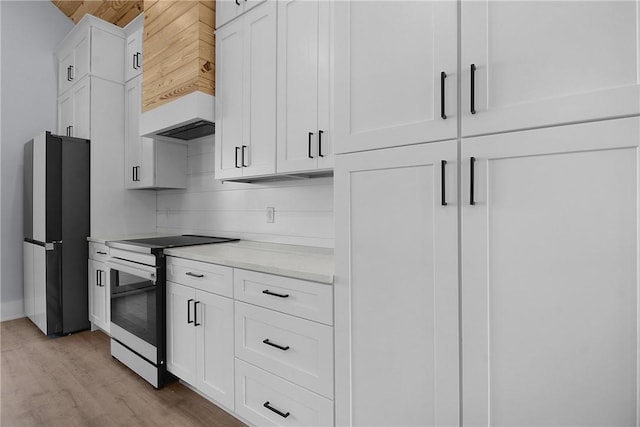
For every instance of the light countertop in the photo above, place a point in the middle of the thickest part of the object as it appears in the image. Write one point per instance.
(301, 262)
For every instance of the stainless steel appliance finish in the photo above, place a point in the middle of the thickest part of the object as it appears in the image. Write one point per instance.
(56, 226)
(138, 302)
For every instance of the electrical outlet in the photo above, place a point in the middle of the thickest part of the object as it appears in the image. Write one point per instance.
(271, 214)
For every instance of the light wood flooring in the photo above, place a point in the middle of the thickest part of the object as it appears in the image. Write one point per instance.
(73, 381)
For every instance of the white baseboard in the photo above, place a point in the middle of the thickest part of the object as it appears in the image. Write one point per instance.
(10, 310)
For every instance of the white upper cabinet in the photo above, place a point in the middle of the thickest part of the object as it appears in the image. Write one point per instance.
(226, 10)
(389, 87)
(550, 276)
(303, 86)
(149, 163)
(540, 63)
(246, 95)
(133, 56)
(74, 109)
(82, 52)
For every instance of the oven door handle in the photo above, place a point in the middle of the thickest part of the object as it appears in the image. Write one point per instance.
(148, 273)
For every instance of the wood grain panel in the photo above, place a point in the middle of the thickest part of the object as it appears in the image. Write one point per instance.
(179, 44)
(118, 12)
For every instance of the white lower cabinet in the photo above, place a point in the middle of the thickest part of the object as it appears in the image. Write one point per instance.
(99, 291)
(200, 341)
(265, 399)
(298, 350)
(550, 282)
(549, 260)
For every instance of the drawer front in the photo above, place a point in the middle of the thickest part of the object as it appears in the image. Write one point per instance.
(214, 278)
(299, 350)
(98, 251)
(258, 390)
(311, 300)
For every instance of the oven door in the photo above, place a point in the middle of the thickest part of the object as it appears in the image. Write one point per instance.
(134, 306)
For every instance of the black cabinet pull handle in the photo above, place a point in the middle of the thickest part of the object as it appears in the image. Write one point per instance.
(69, 73)
(133, 61)
(237, 3)
(195, 314)
(472, 162)
(443, 164)
(243, 156)
(271, 408)
(268, 292)
(189, 273)
(443, 76)
(97, 277)
(138, 60)
(309, 150)
(71, 77)
(267, 342)
(320, 132)
(133, 173)
(101, 253)
(189, 310)
(473, 88)
(237, 148)
(70, 130)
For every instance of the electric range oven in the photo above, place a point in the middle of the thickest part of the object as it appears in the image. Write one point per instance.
(138, 302)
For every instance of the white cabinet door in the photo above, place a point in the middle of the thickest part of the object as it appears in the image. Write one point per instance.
(27, 269)
(540, 63)
(81, 124)
(181, 335)
(98, 295)
(389, 56)
(246, 98)
(133, 172)
(550, 276)
(133, 56)
(396, 289)
(303, 86)
(65, 113)
(259, 103)
(229, 98)
(214, 347)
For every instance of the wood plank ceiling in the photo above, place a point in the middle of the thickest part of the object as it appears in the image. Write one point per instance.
(118, 12)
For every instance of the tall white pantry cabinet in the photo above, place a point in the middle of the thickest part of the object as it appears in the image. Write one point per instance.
(91, 105)
(487, 242)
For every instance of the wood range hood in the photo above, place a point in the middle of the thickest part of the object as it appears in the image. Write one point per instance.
(178, 84)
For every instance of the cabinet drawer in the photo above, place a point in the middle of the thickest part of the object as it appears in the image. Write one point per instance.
(258, 390)
(207, 277)
(98, 251)
(296, 349)
(301, 298)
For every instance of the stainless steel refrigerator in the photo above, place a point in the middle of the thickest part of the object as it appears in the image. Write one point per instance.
(56, 226)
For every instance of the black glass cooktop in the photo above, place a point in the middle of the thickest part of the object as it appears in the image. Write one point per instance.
(176, 241)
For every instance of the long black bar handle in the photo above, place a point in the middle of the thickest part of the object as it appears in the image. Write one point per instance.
(472, 163)
(443, 76)
(320, 132)
(268, 292)
(133, 61)
(271, 408)
(70, 130)
(133, 174)
(101, 252)
(473, 88)
(195, 314)
(97, 277)
(443, 164)
(189, 310)
(138, 59)
(237, 148)
(71, 73)
(309, 150)
(244, 147)
(237, 3)
(283, 348)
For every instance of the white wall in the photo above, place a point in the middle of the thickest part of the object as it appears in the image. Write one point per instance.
(303, 208)
(30, 31)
